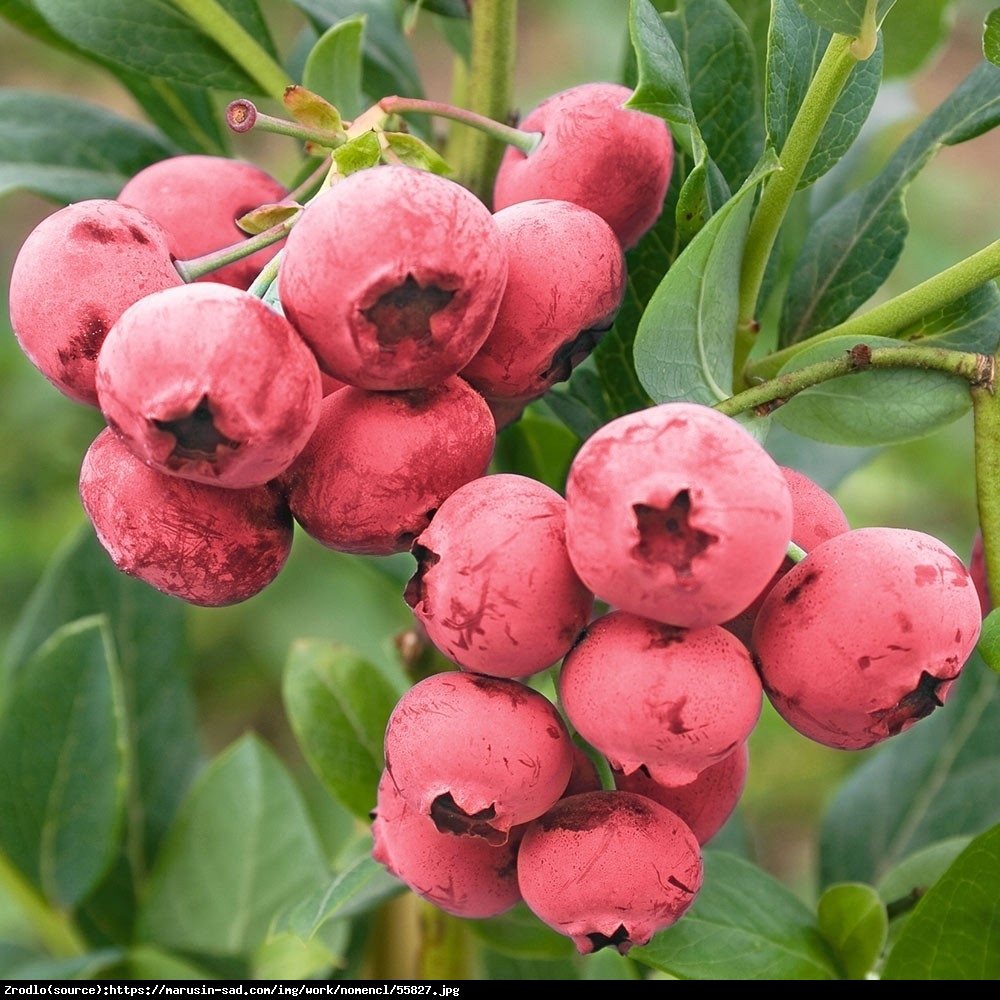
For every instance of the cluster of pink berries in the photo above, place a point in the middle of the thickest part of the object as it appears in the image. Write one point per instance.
(677, 519)
(409, 323)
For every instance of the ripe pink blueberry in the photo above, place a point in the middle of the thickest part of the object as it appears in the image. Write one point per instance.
(676, 513)
(205, 545)
(198, 200)
(705, 803)
(866, 635)
(609, 869)
(379, 464)
(671, 700)
(76, 273)
(595, 153)
(565, 282)
(464, 876)
(207, 382)
(477, 754)
(393, 277)
(494, 587)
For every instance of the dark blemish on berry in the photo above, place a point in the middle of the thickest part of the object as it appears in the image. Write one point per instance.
(196, 437)
(416, 590)
(138, 235)
(924, 575)
(90, 229)
(86, 345)
(666, 536)
(569, 354)
(678, 884)
(796, 592)
(448, 817)
(404, 313)
(554, 732)
(918, 704)
(667, 635)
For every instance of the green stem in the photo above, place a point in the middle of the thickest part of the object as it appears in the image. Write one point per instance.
(216, 22)
(524, 141)
(977, 369)
(825, 88)
(198, 267)
(894, 316)
(54, 928)
(242, 116)
(488, 85)
(986, 425)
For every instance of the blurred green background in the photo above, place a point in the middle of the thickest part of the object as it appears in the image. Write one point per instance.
(237, 654)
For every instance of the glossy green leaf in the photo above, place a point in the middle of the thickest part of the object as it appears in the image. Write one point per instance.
(906, 882)
(991, 37)
(152, 38)
(852, 248)
(939, 779)
(871, 407)
(333, 66)
(910, 42)
(412, 151)
(338, 705)
(685, 340)
(969, 323)
(583, 404)
(358, 888)
(845, 17)
(537, 447)
(68, 150)
(954, 932)
(63, 761)
(241, 849)
(796, 46)
(854, 921)
(518, 933)
(744, 924)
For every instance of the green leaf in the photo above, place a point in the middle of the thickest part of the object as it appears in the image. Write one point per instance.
(518, 933)
(939, 779)
(989, 641)
(911, 41)
(338, 705)
(914, 875)
(581, 404)
(360, 887)
(845, 17)
(795, 49)
(685, 341)
(69, 150)
(744, 924)
(412, 151)
(852, 248)
(537, 447)
(969, 323)
(152, 38)
(63, 763)
(991, 37)
(358, 154)
(333, 66)
(954, 932)
(242, 849)
(854, 921)
(873, 407)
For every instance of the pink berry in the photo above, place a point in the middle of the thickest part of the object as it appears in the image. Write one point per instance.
(394, 277)
(464, 876)
(609, 869)
(76, 273)
(564, 285)
(671, 700)
(866, 635)
(595, 153)
(197, 200)
(676, 513)
(205, 545)
(477, 754)
(379, 464)
(494, 587)
(705, 803)
(206, 382)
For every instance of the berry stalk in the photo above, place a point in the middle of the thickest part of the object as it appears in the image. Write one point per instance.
(986, 427)
(197, 267)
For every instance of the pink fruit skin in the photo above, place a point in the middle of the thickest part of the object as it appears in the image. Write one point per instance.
(494, 587)
(394, 277)
(705, 803)
(379, 464)
(464, 876)
(197, 199)
(205, 545)
(672, 700)
(76, 273)
(595, 153)
(676, 513)
(565, 282)
(816, 516)
(498, 748)
(609, 869)
(866, 635)
(209, 345)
